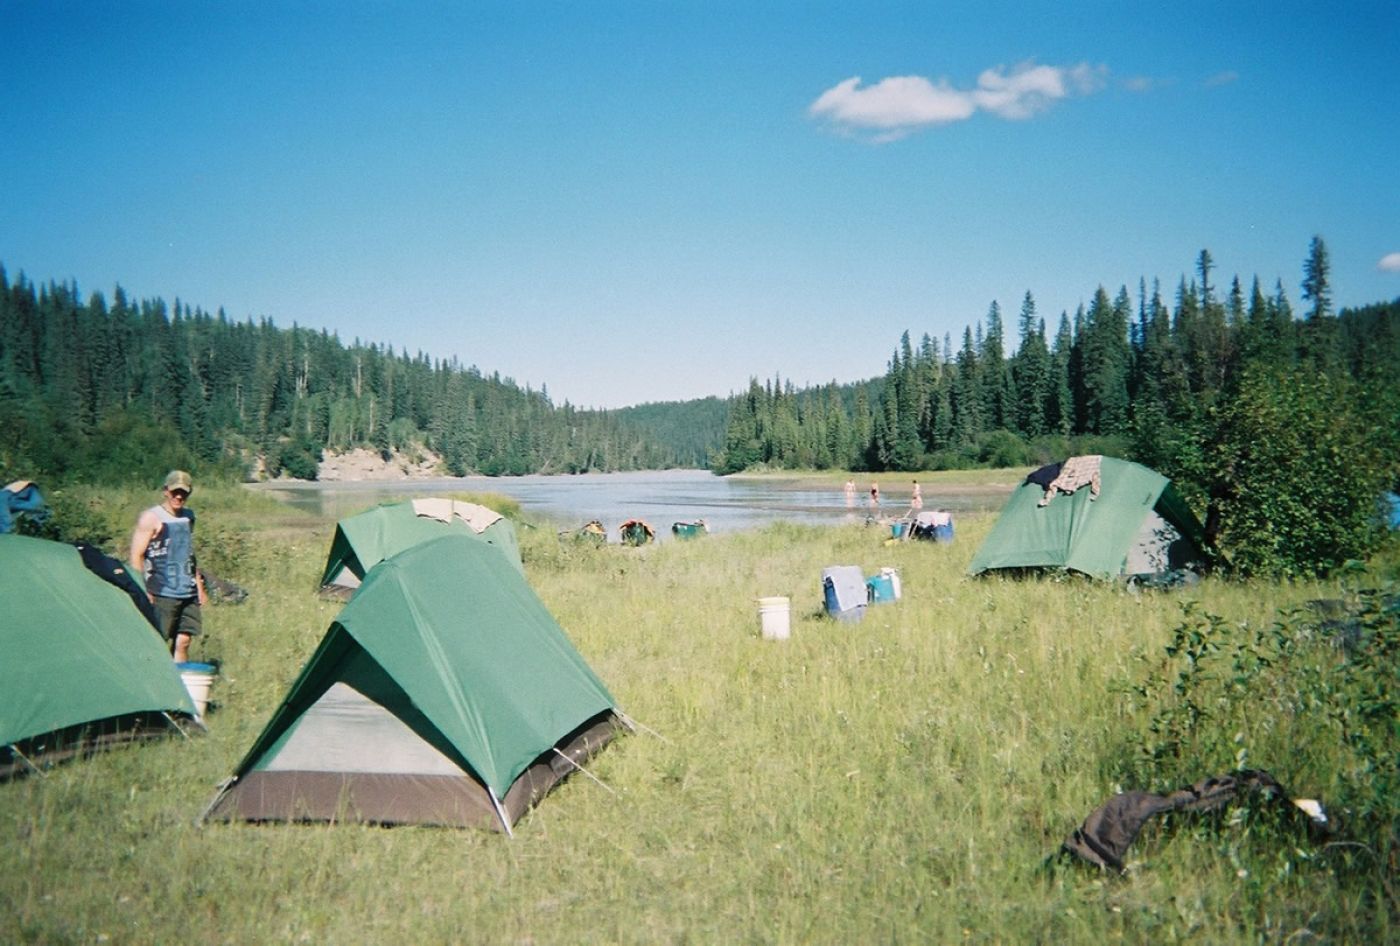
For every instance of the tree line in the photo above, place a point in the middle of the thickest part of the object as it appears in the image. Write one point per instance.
(1132, 373)
(100, 389)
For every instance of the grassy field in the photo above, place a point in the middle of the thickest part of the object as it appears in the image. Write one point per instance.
(901, 780)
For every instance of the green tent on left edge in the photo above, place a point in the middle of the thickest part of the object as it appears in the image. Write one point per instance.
(80, 668)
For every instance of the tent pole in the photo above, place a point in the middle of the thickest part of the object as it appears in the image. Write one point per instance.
(595, 778)
(632, 724)
(25, 759)
(222, 789)
(171, 720)
(500, 811)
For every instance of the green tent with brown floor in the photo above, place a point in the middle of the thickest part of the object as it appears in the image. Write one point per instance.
(443, 693)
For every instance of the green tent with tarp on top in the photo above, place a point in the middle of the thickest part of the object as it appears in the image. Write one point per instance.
(1096, 515)
(367, 538)
(80, 667)
(443, 693)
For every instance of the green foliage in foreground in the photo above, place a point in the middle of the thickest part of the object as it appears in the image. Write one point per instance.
(899, 780)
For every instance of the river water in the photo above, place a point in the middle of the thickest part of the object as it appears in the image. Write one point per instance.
(727, 504)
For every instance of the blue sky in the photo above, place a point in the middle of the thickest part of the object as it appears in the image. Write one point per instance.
(630, 202)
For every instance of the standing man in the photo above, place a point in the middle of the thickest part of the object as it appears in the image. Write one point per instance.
(162, 551)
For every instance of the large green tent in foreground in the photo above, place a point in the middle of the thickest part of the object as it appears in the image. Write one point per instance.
(79, 666)
(1127, 521)
(443, 693)
(367, 538)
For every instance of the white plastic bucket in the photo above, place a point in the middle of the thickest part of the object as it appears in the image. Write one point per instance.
(893, 575)
(774, 615)
(198, 679)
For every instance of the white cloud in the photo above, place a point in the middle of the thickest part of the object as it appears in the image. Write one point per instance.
(899, 102)
(899, 105)
(1390, 263)
(1222, 78)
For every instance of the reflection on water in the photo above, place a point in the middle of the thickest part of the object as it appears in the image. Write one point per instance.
(661, 498)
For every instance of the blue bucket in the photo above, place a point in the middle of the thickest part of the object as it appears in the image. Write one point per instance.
(192, 667)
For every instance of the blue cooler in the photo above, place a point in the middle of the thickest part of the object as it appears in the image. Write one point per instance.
(880, 589)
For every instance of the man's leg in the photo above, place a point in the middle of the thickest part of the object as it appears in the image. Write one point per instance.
(190, 624)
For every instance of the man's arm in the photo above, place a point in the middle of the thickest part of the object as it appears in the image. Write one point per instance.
(146, 526)
(202, 596)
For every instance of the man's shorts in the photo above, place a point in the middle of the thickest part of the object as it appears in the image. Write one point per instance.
(178, 616)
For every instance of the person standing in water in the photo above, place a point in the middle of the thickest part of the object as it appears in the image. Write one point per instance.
(874, 497)
(850, 493)
(916, 501)
(162, 551)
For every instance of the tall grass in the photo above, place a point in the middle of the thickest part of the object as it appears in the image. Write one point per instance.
(903, 779)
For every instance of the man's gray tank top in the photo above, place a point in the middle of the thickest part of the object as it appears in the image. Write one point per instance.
(170, 555)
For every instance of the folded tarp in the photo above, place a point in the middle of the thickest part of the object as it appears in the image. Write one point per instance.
(844, 590)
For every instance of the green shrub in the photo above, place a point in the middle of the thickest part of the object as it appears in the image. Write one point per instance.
(1294, 476)
(75, 516)
(300, 459)
(1002, 448)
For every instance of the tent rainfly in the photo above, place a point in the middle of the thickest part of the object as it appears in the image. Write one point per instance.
(363, 540)
(443, 693)
(1096, 515)
(80, 668)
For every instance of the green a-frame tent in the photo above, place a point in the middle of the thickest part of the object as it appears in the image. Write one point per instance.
(443, 693)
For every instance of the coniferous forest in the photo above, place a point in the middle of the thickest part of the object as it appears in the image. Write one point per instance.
(88, 387)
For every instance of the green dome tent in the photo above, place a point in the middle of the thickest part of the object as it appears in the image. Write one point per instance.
(1096, 515)
(443, 693)
(365, 539)
(80, 668)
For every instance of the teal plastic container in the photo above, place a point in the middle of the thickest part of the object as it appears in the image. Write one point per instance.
(880, 589)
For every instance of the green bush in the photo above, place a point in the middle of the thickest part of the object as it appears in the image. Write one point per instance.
(1002, 448)
(129, 448)
(301, 460)
(74, 517)
(1294, 476)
